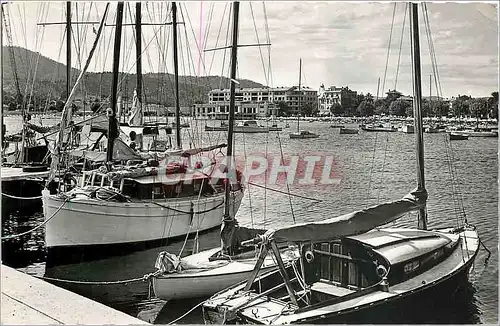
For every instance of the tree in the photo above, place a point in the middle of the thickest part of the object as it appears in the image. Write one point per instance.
(460, 106)
(359, 98)
(392, 96)
(493, 105)
(284, 109)
(337, 109)
(440, 108)
(478, 107)
(366, 108)
(369, 97)
(309, 109)
(380, 107)
(398, 107)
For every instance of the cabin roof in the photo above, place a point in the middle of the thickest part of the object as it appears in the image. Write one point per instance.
(398, 245)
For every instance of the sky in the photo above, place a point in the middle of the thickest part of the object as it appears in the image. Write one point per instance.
(340, 43)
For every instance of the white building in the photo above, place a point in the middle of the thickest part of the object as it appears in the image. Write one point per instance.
(252, 103)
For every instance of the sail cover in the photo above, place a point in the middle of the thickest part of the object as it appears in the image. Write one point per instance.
(135, 118)
(350, 224)
(121, 152)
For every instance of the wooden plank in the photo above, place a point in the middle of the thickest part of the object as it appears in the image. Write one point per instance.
(28, 300)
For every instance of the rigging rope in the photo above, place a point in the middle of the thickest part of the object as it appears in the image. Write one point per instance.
(388, 47)
(258, 42)
(433, 51)
(400, 47)
(38, 226)
(286, 174)
(383, 168)
(285, 193)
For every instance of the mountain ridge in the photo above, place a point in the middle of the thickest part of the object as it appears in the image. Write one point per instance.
(50, 81)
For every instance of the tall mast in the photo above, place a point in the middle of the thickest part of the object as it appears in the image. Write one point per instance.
(176, 77)
(298, 106)
(417, 111)
(68, 49)
(138, 51)
(430, 93)
(232, 90)
(378, 87)
(113, 128)
(2, 131)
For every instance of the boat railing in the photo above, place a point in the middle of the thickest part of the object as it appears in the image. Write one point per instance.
(96, 178)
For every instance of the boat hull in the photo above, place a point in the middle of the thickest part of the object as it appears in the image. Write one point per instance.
(250, 130)
(207, 281)
(82, 221)
(471, 133)
(435, 286)
(347, 131)
(408, 308)
(296, 136)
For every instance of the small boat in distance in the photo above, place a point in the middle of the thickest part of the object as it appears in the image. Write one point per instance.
(378, 128)
(223, 127)
(456, 136)
(303, 134)
(348, 131)
(250, 127)
(477, 132)
(408, 129)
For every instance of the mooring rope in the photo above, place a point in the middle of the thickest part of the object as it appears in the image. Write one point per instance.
(38, 226)
(184, 212)
(284, 192)
(144, 278)
(187, 313)
(21, 198)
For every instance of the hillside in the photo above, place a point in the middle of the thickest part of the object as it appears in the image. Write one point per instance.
(50, 81)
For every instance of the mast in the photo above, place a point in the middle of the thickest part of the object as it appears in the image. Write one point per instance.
(298, 107)
(2, 129)
(232, 90)
(430, 93)
(138, 51)
(113, 128)
(68, 49)
(176, 77)
(417, 111)
(378, 87)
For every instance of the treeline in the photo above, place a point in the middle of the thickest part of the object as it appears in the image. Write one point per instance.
(395, 104)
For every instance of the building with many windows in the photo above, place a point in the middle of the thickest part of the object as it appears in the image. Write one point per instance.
(254, 103)
(327, 97)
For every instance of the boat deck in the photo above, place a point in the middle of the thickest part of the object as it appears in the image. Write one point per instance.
(27, 300)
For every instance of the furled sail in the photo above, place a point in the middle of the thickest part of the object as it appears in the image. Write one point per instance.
(351, 224)
(135, 118)
(121, 152)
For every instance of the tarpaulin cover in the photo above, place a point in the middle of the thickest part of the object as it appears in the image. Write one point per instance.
(351, 224)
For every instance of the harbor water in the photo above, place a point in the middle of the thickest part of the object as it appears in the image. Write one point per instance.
(371, 168)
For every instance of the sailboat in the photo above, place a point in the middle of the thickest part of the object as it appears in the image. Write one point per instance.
(209, 271)
(350, 266)
(139, 204)
(301, 134)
